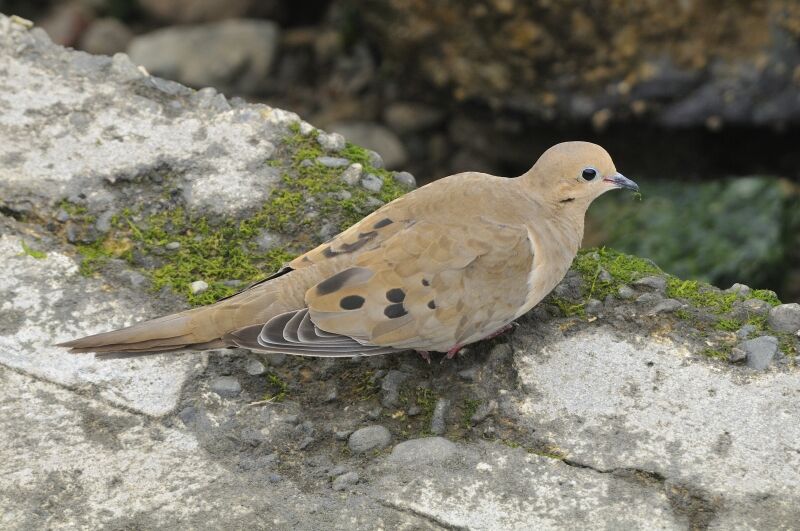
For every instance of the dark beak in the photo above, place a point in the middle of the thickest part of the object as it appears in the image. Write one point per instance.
(620, 181)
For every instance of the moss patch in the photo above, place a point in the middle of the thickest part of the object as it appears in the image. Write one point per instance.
(225, 252)
(277, 388)
(33, 253)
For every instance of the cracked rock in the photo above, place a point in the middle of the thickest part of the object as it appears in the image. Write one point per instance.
(785, 317)
(425, 450)
(226, 386)
(760, 351)
(438, 419)
(369, 438)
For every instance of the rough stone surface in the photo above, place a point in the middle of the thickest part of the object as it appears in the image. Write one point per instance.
(622, 419)
(369, 438)
(785, 317)
(232, 55)
(759, 352)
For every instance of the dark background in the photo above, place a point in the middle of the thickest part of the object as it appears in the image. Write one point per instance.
(698, 101)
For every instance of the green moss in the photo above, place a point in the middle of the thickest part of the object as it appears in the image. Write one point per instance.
(728, 325)
(38, 255)
(426, 400)
(366, 387)
(468, 410)
(682, 314)
(719, 353)
(278, 389)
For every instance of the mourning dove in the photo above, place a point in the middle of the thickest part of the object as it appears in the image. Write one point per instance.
(445, 265)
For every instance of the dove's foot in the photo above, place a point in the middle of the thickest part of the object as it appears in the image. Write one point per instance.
(424, 354)
(453, 351)
(499, 331)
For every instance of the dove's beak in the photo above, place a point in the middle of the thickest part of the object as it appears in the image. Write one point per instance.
(620, 181)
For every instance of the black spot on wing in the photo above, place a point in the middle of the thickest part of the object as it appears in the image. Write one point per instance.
(382, 223)
(335, 283)
(351, 302)
(425, 282)
(431, 305)
(395, 295)
(345, 248)
(393, 311)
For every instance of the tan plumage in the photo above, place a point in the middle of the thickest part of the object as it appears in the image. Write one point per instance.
(438, 268)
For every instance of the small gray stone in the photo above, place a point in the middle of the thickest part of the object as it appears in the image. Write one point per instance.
(342, 435)
(375, 159)
(745, 331)
(276, 360)
(604, 276)
(750, 307)
(374, 413)
(62, 216)
(198, 286)
(405, 178)
(760, 351)
(438, 419)
(172, 246)
(422, 451)
(648, 298)
(253, 367)
(136, 279)
(331, 396)
(369, 438)
(390, 387)
(331, 141)
(785, 317)
(654, 282)
(414, 410)
(345, 481)
(741, 289)
(469, 375)
(737, 354)
(594, 307)
(666, 306)
(372, 182)
(352, 174)
(226, 386)
(103, 223)
(343, 195)
(333, 162)
(626, 292)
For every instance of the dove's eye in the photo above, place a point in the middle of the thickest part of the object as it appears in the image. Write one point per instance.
(589, 174)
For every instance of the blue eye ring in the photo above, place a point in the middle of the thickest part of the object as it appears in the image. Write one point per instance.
(589, 174)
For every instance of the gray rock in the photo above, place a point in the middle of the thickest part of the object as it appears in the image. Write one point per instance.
(106, 36)
(331, 141)
(333, 162)
(745, 331)
(352, 174)
(276, 360)
(737, 354)
(345, 481)
(232, 55)
(253, 367)
(62, 216)
(653, 282)
(226, 386)
(604, 276)
(414, 410)
(741, 289)
(785, 317)
(405, 178)
(425, 451)
(626, 292)
(594, 307)
(649, 298)
(666, 306)
(375, 137)
(748, 308)
(369, 438)
(103, 222)
(375, 159)
(342, 435)
(172, 246)
(439, 417)
(760, 351)
(468, 375)
(390, 387)
(198, 286)
(372, 182)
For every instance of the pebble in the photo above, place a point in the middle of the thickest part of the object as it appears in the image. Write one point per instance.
(226, 386)
(604, 276)
(405, 178)
(254, 367)
(484, 410)
(331, 396)
(198, 286)
(375, 159)
(369, 438)
(390, 386)
(785, 317)
(62, 216)
(342, 435)
(374, 413)
(626, 292)
(666, 306)
(760, 351)
(653, 282)
(737, 354)
(372, 182)
(103, 223)
(469, 375)
(594, 307)
(646, 298)
(741, 289)
(345, 481)
(276, 360)
(73, 233)
(352, 174)
(422, 451)
(331, 141)
(172, 246)
(414, 410)
(333, 162)
(306, 128)
(745, 331)
(438, 424)
(750, 307)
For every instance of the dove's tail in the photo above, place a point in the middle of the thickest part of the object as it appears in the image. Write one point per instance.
(184, 330)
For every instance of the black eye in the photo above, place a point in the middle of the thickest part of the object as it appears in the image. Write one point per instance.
(589, 174)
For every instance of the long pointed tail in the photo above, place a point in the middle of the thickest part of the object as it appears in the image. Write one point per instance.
(172, 332)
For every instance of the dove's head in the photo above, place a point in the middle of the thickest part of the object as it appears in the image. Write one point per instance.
(569, 176)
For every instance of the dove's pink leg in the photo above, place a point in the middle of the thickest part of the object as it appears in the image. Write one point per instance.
(499, 331)
(425, 355)
(453, 351)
